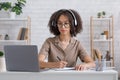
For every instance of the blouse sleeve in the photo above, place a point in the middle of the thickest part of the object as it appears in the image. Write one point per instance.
(45, 48)
(82, 52)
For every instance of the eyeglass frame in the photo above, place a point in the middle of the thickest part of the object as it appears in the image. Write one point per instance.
(66, 25)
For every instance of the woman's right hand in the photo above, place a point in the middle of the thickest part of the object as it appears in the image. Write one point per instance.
(43, 64)
(60, 64)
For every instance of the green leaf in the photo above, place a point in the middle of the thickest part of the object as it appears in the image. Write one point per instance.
(6, 5)
(1, 53)
(17, 8)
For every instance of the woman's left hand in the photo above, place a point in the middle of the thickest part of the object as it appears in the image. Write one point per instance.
(81, 67)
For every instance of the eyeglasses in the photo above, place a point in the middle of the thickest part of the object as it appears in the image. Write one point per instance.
(66, 25)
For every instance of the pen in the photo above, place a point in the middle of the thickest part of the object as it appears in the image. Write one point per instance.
(58, 58)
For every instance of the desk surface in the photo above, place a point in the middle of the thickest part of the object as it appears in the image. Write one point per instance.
(63, 75)
(62, 71)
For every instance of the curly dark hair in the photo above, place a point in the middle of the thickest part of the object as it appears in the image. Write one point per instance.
(72, 16)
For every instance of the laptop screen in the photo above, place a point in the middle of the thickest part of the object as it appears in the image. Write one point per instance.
(21, 58)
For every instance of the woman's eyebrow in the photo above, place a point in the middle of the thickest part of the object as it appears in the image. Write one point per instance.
(61, 21)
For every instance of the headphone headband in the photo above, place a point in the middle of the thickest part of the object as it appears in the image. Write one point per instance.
(75, 20)
(72, 14)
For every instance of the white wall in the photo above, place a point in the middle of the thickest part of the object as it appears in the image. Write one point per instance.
(41, 10)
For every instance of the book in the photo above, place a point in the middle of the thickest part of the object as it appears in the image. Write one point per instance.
(19, 34)
(26, 34)
(23, 34)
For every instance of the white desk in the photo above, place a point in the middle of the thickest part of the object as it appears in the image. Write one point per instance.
(61, 75)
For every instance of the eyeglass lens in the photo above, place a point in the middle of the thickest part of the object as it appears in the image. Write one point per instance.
(60, 25)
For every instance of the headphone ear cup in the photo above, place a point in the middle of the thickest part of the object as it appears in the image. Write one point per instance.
(53, 23)
(75, 22)
(74, 17)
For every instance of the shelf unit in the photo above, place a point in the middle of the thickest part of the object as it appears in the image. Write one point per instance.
(12, 28)
(103, 42)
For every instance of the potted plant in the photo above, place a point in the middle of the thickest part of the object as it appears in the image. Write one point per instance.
(99, 14)
(14, 9)
(2, 61)
(1, 53)
(17, 7)
(103, 14)
(5, 6)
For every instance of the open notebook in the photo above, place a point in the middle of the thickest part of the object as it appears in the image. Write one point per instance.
(65, 68)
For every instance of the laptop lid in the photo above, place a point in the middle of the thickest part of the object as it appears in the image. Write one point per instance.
(21, 58)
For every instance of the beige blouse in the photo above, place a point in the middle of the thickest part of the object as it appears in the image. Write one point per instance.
(52, 49)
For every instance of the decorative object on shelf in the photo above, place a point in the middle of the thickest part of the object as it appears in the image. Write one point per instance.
(106, 33)
(103, 36)
(6, 37)
(13, 7)
(108, 56)
(101, 14)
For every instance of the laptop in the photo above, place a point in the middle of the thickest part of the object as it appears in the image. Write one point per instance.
(21, 58)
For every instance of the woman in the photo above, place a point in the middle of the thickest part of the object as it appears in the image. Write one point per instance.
(63, 50)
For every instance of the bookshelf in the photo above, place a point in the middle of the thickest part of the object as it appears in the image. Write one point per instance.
(13, 27)
(102, 38)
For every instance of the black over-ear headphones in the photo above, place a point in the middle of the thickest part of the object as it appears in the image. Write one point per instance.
(75, 20)
(73, 15)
